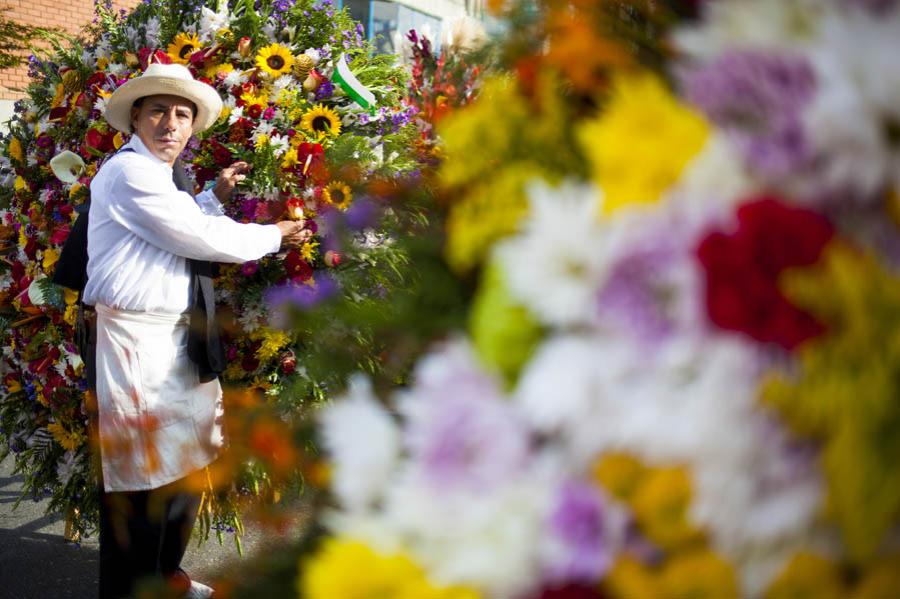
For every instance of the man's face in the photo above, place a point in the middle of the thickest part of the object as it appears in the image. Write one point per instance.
(165, 124)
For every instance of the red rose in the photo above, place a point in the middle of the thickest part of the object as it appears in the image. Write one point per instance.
(288, 363)
(742, 271)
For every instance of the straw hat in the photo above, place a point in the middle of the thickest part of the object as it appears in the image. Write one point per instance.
(164, 79)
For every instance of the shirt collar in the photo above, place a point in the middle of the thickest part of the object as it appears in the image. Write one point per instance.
(138, 146)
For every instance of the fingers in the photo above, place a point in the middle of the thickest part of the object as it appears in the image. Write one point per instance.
(239, 167)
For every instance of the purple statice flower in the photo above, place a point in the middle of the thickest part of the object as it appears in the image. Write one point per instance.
(758, 99)
(324, 91)
(303, 297)
(585, 531)
(461, 431)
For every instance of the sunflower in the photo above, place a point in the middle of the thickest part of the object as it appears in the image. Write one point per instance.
(183, 46)
(338, 194)
(321, 121)
(276, 60)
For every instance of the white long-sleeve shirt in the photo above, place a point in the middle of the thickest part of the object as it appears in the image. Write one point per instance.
(142, 229)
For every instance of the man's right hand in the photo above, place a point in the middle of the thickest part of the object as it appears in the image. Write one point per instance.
(293, 235)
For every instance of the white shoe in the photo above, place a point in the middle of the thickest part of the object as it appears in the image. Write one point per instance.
(198, 591)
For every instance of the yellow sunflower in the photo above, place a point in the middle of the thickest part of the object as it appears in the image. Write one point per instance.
(276, 60)
(321, 121)
(183, 46)
(338, 194)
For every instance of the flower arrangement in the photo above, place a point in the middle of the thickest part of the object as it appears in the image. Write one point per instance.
(678, 377)
(306, 104)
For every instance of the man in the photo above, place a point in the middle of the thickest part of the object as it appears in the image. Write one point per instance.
(158, 420)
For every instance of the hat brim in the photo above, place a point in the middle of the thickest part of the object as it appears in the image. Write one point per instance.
(207, 100)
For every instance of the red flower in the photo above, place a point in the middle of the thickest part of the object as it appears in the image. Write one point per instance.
(148, 56)
(288, 362)
(98, 143)
(311, 162)
(59, 234)
(570, 591)
(221, 155)
(296, 267)
(742, 271)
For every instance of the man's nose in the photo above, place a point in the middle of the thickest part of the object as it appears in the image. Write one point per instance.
(170, 120)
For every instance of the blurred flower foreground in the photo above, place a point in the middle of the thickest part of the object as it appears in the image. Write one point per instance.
(679, 374)
(311, 141)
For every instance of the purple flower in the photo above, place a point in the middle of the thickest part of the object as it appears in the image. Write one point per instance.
(248, 208)
(303, 296)
(324, 91)
(461, 432)
(584, 534)
(758, 98)
(248, 269)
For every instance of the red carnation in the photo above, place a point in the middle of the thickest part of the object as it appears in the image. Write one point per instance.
(254, 111)
(743, 268)
(296, 267)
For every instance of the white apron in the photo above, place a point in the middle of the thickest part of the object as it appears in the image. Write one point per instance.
(158, 423)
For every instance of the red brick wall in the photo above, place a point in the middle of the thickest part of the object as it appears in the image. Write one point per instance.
(68, 15)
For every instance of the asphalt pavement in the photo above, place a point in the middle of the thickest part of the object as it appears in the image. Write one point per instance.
(37, 563)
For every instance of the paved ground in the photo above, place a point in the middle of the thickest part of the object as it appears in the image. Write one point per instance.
(35, 561)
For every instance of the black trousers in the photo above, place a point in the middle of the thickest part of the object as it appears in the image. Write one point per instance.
(143, 534)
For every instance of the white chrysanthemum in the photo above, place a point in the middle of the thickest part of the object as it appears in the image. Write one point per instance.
(691, 402)
(282, 83)
(100, 104)
(280, 144)
(237, 113)
(489, 541)
(117, 68)
(87, 57)
(264, 128)
(212, 22)
(235, 77)
(364, 444)
(556, 264)
(314, 54)
(857, 101)
(252, 318)
(766, 24)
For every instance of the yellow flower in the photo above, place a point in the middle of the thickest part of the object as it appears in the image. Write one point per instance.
(68, 441)
(879, 580)
(321, 121)
(20, 184)
(262, 140)
(488, 212)
(350, 569)
(218, 69)
(261, 97)
(843, 393)
(338, 194)
(660, 505)
(289, 160)
(275, 60)
(14, 150)
(620, 474)
(808, 575)
(13, 386)
(182, 47)
(76, 187)
(102, 63)
(640, 143)
(70, 315)
(118, 140)
(51, 255)
(58, 96)
(272, 342)
(698, 575)
(629, 579)
(308, 250)
(70, 296)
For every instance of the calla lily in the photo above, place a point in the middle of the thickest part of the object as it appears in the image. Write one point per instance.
(67, 166)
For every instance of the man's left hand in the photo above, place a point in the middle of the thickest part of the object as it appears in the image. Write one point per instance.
(229, 178)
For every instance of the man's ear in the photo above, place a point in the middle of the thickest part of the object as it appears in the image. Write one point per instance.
(134, 115)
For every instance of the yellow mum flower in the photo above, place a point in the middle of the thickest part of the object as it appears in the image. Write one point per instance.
(261, 97)
(118, 140)
(308, 250)
(289, 160)
(14, 150)
(20, 184)
(182, 47)
(13, 386)
(350, 569)
(620, 474)
(641, 142)
(629, 579)
(68, 441)
(337, 194)
(275, 60)
(808, 575)
(262, 140)
(321, 121)
(660, 505)
(698, 575)
(218, 69)
(273, 341)
(51, 255)
(70, 315)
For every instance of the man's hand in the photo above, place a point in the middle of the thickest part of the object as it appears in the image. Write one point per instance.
(293, 235)
(229, 178)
